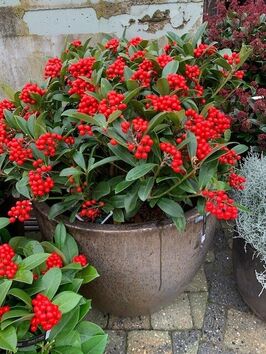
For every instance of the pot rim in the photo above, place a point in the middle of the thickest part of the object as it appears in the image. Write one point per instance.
(190, 215)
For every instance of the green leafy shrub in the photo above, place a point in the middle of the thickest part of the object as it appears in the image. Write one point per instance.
(55, 270)
(123, 127)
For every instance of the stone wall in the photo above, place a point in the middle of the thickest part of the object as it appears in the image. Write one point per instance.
(33, 30)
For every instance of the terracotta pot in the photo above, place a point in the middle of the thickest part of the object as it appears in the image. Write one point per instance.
(143, 267)
(245, 264)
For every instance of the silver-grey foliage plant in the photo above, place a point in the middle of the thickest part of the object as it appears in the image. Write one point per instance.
(251, 225)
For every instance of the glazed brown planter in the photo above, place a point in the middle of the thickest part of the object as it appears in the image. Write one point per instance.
(143, 267)
(245, 264)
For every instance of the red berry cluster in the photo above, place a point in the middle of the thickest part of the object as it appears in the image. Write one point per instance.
(112, 103)
(82, 68)
(46, 314)
(204, 49)
(85, 129)
(80, 259)
(28, 114)
(164, 103)
(232, 59)
(76, 43)
(70, 140)
(230, 158)
(21, 211)
(112, 44)
(125, 126)
(138, 54)
(47, 143)
(53, 68)
(219, 204)
(135, 41)
(168, 47)
(177, 82)
(113, 142)
(80, 86)
(236, 181)
(163, 60)
(173, 156)
(143, 77)
(54, 260)
(40, 182)
(88, 105)
(192, 72)
(116, 70)
(5, 104)
(17, 152)
(206, 129)
(3, 310)
(144, 147)
(3, 136)
(91, 209)
(239, 74)
(27, 90)
(140, 125)
(8, 268)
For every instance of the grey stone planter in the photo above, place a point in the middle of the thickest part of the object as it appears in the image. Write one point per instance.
(143, 267)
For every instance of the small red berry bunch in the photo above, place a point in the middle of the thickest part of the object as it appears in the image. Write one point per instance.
(3, 310)
(40, 182)
(80, 86)
(230, 158)
(17, 152)
(192, 72)
(54, 260)
(88, 105)
(76, 43)
(48, 142)
(138, 54)
(116, 70)
(112, 103)
(91, 209)
(232, 59)
(236, 181)
(239, 74)
(27, 90)
(204, 49)
(81, 258)
(20, 211)
(5, 104)
(172, 156)
(52, 68)
(177, 82)
(46, 314)
(144, 147)
(164, 103)
(8, 268)
(163, 60)
(82, 68)
(112, 44)
(135, 41)
(219, 204)
(85, 129)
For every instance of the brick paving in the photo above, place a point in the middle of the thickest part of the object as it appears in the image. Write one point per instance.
(208, 318)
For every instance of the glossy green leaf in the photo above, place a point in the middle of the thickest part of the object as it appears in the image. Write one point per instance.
(4, 288)
(4, 222)
(100, 190)
(67, 301)
(170, 207)
(145, 188)
(139, 171)
(170, 68)
(60, 235)
(34, 261)
(21, 295)
(24, 276)
(51, 281)
(88, 274)
(8, 339)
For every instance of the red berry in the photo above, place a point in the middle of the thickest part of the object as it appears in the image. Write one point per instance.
(27, 90)
(219, 204)
(53, 68)
(46, 314)
(21, 211)
(80, 259)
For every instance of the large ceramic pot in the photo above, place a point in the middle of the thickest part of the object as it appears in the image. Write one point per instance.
(143, 267)
(245, 264)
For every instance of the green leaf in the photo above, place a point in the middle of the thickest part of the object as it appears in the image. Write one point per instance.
(131, 199)
(162, 87)
(8, 339)
(114, 116)
(139, 171)
(60, 208)
(70, 171)
(88, 332)
(118, 215)
(175, 117)
(24, 276)
(95, 345)
(79, 159)
(123, 154)
(4, 288)
(170, 68)
(103, 162)
(145, 188)
(88, 274)
(22, 187)
(105, 87)
(60, 235)
(34, 261)
(67, 301)
(49, 247)
(14, 314)
(70, 248)
(122, 186)
(67, 323)
(170, 207)
(4, 222)
(207, 172)
(180, 223)
(192, 144)
(131, 94)
(101, 189)
(51, 281)
(7, 90)
(197, 37)
(21, 295)
(128, 73)
(240, 149)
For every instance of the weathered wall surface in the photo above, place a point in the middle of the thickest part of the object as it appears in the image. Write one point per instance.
(33, 30)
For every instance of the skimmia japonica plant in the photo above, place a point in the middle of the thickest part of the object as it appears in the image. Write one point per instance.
(124, 126)
(41, 310)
